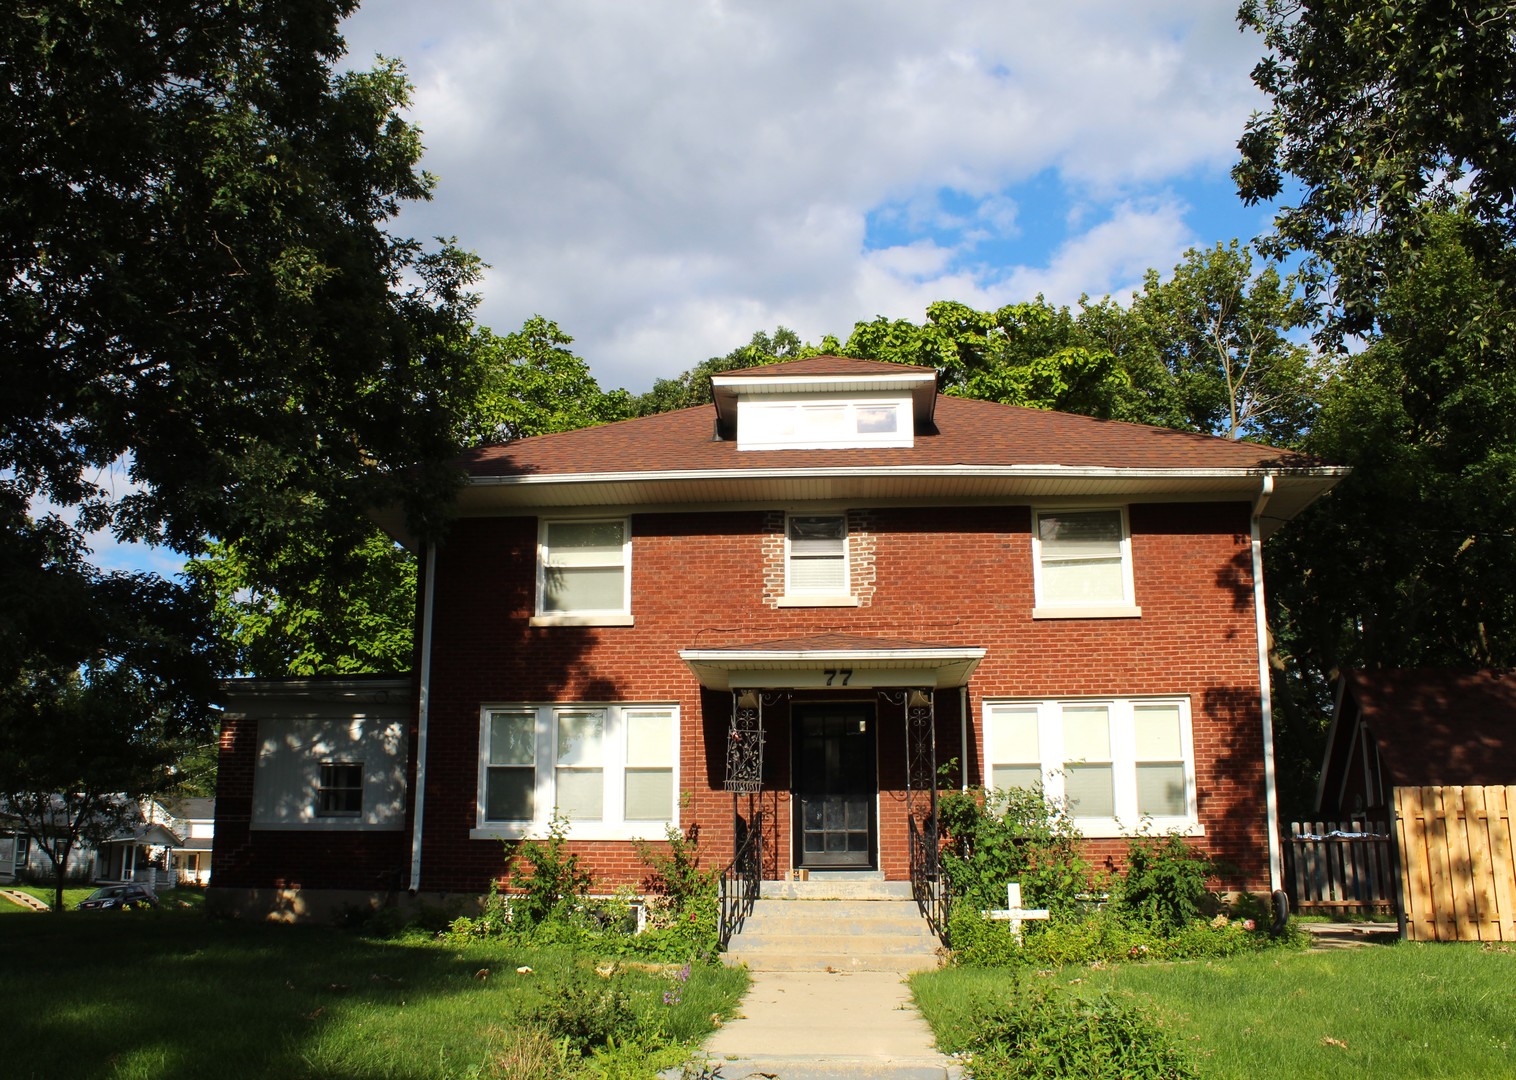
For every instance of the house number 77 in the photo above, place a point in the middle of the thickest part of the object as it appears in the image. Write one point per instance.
(833, 673)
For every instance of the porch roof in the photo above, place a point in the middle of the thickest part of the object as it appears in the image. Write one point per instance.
(833, 661)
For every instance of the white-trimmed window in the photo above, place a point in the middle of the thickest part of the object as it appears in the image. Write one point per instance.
(610, 770)
(834, 423)
(815, 555)
(1082, 564)
(584, 571)
(339, 789)
(1116, 763)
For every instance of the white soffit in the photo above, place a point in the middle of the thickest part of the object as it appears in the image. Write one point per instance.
(834, 669)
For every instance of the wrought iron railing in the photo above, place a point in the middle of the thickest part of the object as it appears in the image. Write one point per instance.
(929, 883)
(742, 879)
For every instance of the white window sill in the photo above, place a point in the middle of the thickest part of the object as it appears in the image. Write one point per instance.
(1115, 611)
(816, 601)
(588, 830)
(326, 824)
(1111, 829)
(581, 620)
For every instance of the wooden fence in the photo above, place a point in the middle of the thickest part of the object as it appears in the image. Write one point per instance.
(1456, 868)
(1340, 866)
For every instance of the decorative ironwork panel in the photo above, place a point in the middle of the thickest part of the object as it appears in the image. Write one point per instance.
(744, 744)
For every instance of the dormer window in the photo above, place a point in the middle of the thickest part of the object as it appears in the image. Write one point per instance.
(825, 424)
(825, 403)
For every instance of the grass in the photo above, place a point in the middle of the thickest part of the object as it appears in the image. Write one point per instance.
(169, 994)
(44, 893)
(1398, 1010)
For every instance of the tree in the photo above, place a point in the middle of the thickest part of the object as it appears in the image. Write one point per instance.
(343, 600)
(533, 385)
(102, 686)
(1412, 559)
(1222, 332)
(322, 605)
(1380, 111)
(197, 288)
(693, 387)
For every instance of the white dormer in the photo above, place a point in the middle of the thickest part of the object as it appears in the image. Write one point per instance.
(828, 403)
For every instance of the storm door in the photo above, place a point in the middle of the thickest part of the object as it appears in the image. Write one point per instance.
(836, 793)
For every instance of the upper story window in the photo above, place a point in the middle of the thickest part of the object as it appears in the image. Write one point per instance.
(584, 572)
(782, 422)
(1083, 564)
(816, 555)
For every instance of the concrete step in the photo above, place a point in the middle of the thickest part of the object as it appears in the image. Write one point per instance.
(838, 887)
(835, 935)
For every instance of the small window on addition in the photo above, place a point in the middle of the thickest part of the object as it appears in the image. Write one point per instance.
(340, 793)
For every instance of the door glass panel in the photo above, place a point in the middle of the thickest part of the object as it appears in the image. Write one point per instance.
(835, 788)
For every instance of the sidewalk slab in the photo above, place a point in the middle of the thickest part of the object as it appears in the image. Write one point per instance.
(809, 1025)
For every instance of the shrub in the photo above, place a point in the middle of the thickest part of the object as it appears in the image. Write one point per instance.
(1165, 881)
(683, 914)
(583, 1010)
(549, 882)
(1045, 1033)
(995, 837)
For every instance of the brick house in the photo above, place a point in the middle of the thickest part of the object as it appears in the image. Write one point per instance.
(780, 615)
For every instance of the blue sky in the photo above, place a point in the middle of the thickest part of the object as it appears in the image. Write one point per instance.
(665, 177)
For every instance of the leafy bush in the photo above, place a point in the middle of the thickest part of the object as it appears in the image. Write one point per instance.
(549, 882)
(995, 837)
(583, 1010)
(1045, 1033)
(1165, 881)
(683, 913)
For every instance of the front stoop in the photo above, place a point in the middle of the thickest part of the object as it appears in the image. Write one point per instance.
(835, 925)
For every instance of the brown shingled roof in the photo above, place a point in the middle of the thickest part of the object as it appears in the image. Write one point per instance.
(1436, 727)
(969, 432)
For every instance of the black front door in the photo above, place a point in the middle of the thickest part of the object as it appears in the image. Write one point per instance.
(836, 795)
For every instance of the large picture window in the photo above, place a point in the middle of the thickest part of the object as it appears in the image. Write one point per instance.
(584, 570)
(1115, 764)
(1083, 563)
(609, 770)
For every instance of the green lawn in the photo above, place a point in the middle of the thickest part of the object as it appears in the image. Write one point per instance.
(1404, 1010)
(70, 897)
(169, 994)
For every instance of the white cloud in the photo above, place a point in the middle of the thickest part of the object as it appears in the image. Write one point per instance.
(664, 178)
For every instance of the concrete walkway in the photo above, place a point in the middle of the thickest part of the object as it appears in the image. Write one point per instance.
(804, 1025)
(1351, 935)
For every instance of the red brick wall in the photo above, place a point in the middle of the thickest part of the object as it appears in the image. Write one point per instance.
(959, 577)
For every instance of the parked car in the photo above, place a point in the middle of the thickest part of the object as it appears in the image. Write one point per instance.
(118, 898)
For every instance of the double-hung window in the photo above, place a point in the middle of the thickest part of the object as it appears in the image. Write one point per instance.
(1083, 564)
(584, 572)
(609, 770)
(816, 557)
(1113, 764)
(339, 789)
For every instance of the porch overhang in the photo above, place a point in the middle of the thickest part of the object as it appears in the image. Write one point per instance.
(832, 661)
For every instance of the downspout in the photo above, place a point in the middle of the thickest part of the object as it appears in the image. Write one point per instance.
(963, 735)
(424, 704)
(1271, 796)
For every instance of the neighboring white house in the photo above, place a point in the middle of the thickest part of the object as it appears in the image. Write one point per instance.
(168, 844)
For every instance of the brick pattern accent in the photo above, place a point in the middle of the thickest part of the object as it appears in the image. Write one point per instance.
(860, 553)
(773, 557)
(960, 577)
